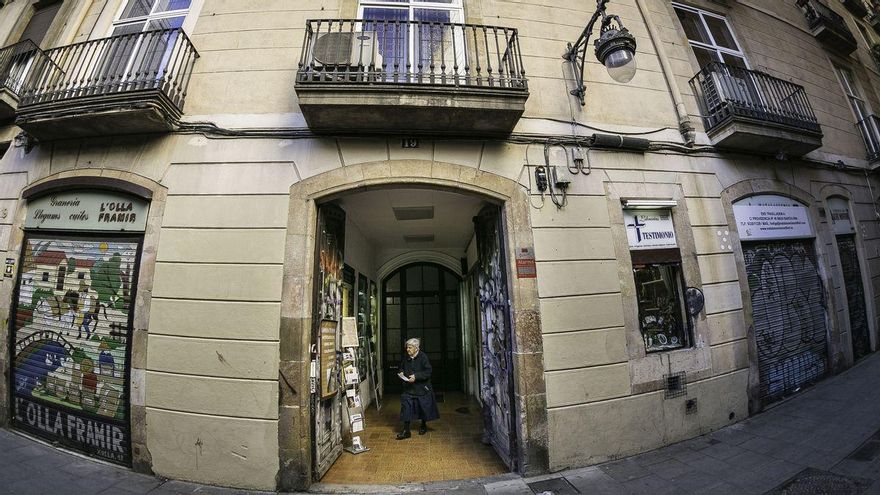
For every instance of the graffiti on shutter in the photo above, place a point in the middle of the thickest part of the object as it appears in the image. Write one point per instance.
(788, 309)
(71, 334)
(496, 388)
(855, 295)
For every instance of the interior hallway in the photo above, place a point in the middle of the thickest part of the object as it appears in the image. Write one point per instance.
(450, 450)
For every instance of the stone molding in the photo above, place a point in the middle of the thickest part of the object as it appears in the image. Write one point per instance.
(295, 448)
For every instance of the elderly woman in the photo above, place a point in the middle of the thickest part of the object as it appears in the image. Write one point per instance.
(417, 399)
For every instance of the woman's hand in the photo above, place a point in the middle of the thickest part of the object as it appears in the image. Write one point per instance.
(412, 378)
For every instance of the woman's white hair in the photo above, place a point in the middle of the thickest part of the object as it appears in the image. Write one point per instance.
(414, 342)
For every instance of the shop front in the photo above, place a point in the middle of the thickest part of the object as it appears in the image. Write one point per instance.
(788, 300)
(71, 334)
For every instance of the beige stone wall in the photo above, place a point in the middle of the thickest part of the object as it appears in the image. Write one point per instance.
(212, 350)
(775, 40)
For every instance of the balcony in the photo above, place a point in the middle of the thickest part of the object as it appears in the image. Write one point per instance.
(16, 61)
(828, 27)
(126, 84)
(413, 77)
(874, 21)
(752, 111)
(875, 54)
(869, 128)
(855, 7)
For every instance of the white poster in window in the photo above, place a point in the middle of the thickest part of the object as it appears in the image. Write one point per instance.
(349, 332)
(771, 217)
(838, 214)
(649, 229)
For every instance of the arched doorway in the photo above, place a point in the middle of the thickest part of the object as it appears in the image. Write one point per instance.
(300, 460)
(388, 234)
(421, 300)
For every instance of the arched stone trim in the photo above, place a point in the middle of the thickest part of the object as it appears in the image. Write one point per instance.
(830, 190)
(95, 178)
(438, 258)
(752, 187)
(295, 335)
(838, 191)
(86, 182)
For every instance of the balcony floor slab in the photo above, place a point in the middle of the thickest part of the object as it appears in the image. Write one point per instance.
(764, 138)
(400, 109)
(98, 116)
(8, 104)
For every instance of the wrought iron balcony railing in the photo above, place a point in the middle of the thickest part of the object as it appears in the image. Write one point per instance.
(159, 60)
(828, 26)
(856, 7)
(411, 53)
(726, 92)
(17, 61)
(870, 130)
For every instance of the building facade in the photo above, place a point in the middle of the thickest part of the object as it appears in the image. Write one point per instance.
(195, 194)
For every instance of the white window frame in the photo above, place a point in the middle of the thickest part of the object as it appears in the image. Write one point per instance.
(189, 14)
(854, 93)
(702, 14)
(456, 7)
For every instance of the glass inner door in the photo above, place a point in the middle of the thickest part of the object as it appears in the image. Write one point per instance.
(422, 301)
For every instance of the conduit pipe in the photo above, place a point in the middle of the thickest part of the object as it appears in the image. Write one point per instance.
(685, 126)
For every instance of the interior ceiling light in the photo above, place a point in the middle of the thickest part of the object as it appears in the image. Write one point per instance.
(615, 48)
(404, 213)
(649, 204)
(418, 238)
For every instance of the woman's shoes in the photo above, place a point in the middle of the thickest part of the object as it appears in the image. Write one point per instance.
(423, 429)
(404, 435)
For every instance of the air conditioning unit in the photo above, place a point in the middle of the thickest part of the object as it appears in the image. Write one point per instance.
(348, 49)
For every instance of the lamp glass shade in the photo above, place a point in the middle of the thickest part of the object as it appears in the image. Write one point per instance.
(621, 65)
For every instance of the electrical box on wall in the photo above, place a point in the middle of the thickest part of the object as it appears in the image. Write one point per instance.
(560, 177)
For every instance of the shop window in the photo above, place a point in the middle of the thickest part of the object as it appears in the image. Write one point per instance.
(660, 291)
(659, 280)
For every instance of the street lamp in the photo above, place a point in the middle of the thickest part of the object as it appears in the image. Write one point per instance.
(615, 48)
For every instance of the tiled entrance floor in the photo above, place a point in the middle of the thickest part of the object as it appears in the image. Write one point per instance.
(450, 450)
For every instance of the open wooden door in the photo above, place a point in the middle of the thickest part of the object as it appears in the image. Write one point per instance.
(496, 386)
(326, 401)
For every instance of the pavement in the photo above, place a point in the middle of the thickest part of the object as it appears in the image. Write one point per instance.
(824, 440)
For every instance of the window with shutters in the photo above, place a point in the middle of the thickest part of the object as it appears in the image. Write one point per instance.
(38, 25)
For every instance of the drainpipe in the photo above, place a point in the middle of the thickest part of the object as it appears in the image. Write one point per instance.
(685, 126)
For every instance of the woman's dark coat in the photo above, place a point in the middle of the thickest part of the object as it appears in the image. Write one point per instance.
(417, 400)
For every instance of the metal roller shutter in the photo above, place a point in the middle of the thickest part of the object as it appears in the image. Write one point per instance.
(71, 334)
(788, 308)
(855, 295)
